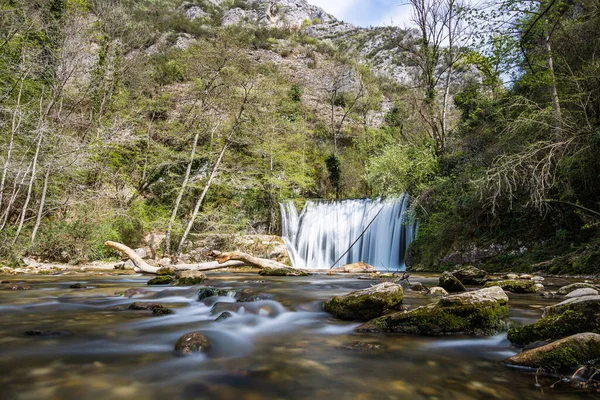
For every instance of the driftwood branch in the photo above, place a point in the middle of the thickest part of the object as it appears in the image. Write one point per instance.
(223, 260)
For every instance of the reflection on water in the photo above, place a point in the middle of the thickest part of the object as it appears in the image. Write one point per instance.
(281, 347)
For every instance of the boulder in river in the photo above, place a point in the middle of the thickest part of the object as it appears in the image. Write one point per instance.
(450, 283)
(249, 295)
(470, 275)
(193, 342)
(572, 316)
(582, 292)
(565, 290)
(207, 292)
(355, 268)
(166, 271)
(562, 355)
(418, 287)
(189, 278)
(437, 291)
(480, 312)
(515, 285)
(282, 272)
(366, 304)
(160, 280)
(224, 315)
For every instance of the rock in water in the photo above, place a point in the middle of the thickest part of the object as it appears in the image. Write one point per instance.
(450, 283)
(355, 268)
(515, 285)
(480, 312)
(437, 291)
(582, 292)
(572, 316)
(282, 272)
(160, 280)
(193, 342)
(189, 278)
(205, 293)
(418, 287)
(565, 290)
(561, 356)
(366, 304)
(470, 275)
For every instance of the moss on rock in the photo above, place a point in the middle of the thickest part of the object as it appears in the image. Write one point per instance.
(282, 272)
(474, 313)
(515, 285)
(562, 355)
(161, 280)
(565, 290)
(368, 303)
(205, 293)
(450, 283)
(470, 275)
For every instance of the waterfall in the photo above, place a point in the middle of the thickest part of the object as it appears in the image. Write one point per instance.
(324, 230)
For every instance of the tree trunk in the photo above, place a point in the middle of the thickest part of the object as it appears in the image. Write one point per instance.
(553, 89)
(38, 220)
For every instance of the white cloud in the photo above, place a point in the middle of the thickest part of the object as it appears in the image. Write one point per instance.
(337, 8)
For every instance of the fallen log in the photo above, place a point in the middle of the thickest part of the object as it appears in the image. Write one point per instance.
(223, 260)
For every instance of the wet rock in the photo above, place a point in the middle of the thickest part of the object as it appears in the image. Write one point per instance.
(539, 286)
(160, 280)
(565, 290)
(166, 271)
(418, 287)
(282, 272)
(194, 342)
(511, 276)
(40, 333)
(78, 286)
(538, 279)
(116, 308)
(526, 276)
(144, 306)
(582, 292)
(437, 291)
(470, 275)
(3, 282)
(205, 293)
(572, 316)
(562, 355)
(135, 292)
(189, 278)
(480, 312)
(224, 315)
(515, 285)
(249, 295)
(366, 304)
(160, 311)
(364, 346)
(356, 268)
(18, 287)
(450, 283)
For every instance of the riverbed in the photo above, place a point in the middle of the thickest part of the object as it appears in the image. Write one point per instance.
(62, 343)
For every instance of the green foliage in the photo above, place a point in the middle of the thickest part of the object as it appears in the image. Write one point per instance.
(335, 172)
(296, 93)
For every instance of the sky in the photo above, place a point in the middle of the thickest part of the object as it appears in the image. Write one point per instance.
(367, 12)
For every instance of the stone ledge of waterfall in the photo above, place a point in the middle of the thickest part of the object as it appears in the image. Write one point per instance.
(354, 268)
(481, 312)
(363, 305)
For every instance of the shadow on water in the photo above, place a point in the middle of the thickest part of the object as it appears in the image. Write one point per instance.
(84, 343)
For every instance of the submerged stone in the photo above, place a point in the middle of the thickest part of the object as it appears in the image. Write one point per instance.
(515, 285)
(205, 293)
(562, 355)
(160, 280)
(249, 295)
(224, 315)
(282, 272)
(160, 311)
(144, 306)
(78, 286)
(572, 316)
(470, 275)
(368, 303)
(450, 283)
(480, 312)
(193, 342)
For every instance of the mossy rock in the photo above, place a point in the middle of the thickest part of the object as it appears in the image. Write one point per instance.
(205, 293)
(450, 283)
(470, 275)
(366, 304)
(161, 280)
(166, 271)
(249, 295)
(160, 311)
(562, 355)
(282, 272)
(515, 285)
(568, 318)
(565, 290)
(193, 342)
(189, 278)
(480, 312)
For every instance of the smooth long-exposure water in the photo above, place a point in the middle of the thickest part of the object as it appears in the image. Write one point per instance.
(282, 347)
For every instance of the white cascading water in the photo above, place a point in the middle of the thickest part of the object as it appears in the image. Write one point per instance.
(325, 230)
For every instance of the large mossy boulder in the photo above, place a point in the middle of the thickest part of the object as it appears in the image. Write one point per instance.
(450, 283)
(572, 316)
(160, 280)
(470, 275)
(515, 285)
(363, 305)
(282, 272)
(562, 355)
(480, 312)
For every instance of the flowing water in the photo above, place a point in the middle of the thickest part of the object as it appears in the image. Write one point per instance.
(334, 233)
(281, 347)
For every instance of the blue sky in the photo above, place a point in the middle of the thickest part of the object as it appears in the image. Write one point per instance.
(367, 12)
